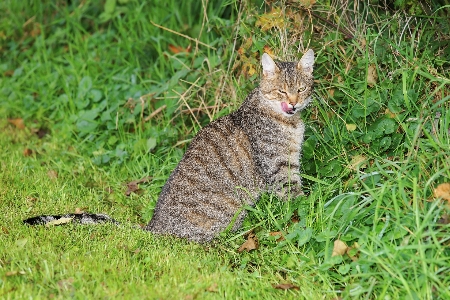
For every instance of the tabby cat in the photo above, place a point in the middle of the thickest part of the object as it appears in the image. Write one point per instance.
(234, 159)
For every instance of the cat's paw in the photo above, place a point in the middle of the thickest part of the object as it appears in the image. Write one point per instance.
(289, 191)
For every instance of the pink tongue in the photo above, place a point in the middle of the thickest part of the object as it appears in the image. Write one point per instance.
(285, 107)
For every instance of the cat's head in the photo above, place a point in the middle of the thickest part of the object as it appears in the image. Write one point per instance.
(287, 86)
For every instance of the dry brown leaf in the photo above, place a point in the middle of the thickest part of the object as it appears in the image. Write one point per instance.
(8, 73)
(443, 191)
(133, 186)
(331, 92)
(271, 19)
(213, 288)
(389, 114)
(4, 230)
(372, 76)
(178, 49)
(60, 221)
(286, 286)
(277, 233)
(17, 122)
(52, 174)
(79, 211)
(250, 244)
(340, 248)
(27, 152)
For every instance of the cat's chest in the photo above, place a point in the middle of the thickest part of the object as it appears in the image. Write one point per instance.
(294, 136)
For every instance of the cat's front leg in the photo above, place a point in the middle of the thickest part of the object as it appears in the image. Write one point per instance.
(288, 187)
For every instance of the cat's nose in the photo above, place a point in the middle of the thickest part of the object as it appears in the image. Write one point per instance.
(292, 99)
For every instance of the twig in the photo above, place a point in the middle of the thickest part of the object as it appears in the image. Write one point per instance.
(348, 34)
(154, 113)
(203, 108)
(183, 35)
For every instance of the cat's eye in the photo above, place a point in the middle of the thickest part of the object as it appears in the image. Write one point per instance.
(282, 92)
(301, 90)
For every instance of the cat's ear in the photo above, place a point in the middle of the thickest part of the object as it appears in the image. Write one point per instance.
(306, 63)
(269, 66)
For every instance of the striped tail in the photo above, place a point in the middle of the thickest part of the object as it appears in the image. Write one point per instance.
(83, 218)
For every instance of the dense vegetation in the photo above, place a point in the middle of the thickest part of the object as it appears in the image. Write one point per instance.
(97, 95)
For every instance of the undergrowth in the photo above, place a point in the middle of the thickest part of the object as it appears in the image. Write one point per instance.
(113, 91)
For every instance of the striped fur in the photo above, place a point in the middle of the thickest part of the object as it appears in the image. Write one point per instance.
(237, 157)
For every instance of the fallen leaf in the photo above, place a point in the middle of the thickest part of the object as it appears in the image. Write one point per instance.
(372, 76)
(350, 127)
(443, 191)
(390, 114)
(60, 221)
(8, 73)
(13, 273)
(212, 288)
(133, 186)
(356, 161)
(277, 233)
(17, 122)
(52, 174)
(178, 49)
(331, 92)
(250, 244)
(286, 286)
(79, 211)
(4, 230)
(340, 248)
(27, 152)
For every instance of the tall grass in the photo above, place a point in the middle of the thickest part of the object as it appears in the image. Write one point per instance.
(113, 91)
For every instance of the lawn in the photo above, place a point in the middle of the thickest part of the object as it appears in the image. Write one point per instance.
(99, 100)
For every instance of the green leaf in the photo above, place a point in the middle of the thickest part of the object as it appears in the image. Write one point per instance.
(112, 140)
(110, 6)
(309, 146)
(95, 95)
(325, 235)
(151, 144)
(86, 121)
(85, 85)
(304, 236)
(343, 269)
(365, 109)
(384, 126)
(330, 169)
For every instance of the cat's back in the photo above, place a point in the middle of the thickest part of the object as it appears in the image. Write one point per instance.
(213, 180)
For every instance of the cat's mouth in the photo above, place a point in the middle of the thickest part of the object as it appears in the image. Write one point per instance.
(287, 108)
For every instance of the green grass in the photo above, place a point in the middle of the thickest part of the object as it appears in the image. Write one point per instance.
(91, 75)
